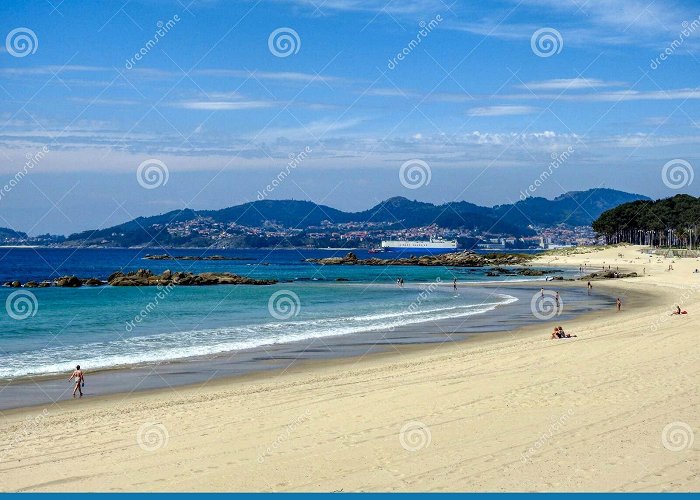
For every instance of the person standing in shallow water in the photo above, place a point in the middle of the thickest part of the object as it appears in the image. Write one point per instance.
(79, 380)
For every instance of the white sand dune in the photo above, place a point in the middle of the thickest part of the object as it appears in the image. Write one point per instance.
(617, 408)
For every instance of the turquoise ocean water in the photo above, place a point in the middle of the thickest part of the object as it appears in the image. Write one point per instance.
(104, 327)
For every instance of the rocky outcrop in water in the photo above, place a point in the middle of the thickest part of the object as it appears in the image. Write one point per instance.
(166, 256)
(69, 282)
(453, 259)
(63, 282)
(607, 275)
(527, 271)
(144, 277)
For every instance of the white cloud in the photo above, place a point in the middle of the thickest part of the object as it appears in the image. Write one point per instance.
(389, 7)
(312, 131)
(390, 92)
(222, 105)
(503, 110)
(625, 15)
(583, 23)
(107, 102)
(159, 74)
(287, 76)
(569, 84)
(52, 69)
(614, 96)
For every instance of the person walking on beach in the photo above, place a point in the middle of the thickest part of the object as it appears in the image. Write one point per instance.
(541, 292)
(589, 287)
(556, 298)
(619, 304)
(79, 378)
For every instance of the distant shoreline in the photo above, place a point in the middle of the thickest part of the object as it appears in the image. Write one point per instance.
(328, 249)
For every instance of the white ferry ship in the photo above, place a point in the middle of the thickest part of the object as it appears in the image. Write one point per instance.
(432, 245)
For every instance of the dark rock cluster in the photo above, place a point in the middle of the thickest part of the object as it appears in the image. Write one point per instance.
(144, 277)
(452, 259)
(607, 275)
(166, 256)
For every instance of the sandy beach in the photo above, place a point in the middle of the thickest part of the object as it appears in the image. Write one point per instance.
(616, 408)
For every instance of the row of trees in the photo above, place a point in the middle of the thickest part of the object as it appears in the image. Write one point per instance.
(669, 222)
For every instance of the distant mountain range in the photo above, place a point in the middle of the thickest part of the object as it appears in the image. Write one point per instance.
(290, 222)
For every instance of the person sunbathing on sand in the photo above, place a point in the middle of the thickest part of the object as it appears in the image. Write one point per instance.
(677, 310)
(559, 333)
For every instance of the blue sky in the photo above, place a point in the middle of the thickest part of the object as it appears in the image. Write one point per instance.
(212, 102)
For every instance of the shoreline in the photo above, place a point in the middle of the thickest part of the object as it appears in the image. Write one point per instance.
(480, 406)
(489, 336)
(266, 359)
